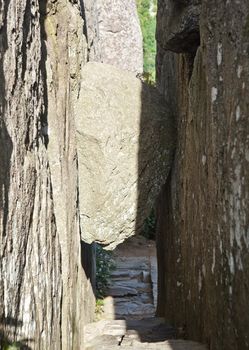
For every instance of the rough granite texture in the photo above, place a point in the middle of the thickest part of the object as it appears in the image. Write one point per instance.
(120, 36)
(125, 143)
(45, 290)
(203, 237)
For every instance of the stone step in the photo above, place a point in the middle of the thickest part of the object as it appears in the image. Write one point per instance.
(104, 327)
(143, 298)
(119, 327)
(134, 309)
(114, 307)
(167, 345)
(134, 285)
(133, 263)
(150, 333)
(144, 329)
(117, 290)
(124, 275)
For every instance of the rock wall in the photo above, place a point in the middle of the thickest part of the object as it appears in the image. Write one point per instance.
(120, 36)
(45, 271)
(203, 216)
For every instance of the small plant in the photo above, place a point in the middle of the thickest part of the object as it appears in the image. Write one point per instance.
(13, 346)
(148, 78)
(7, 342)
(8, 345)
(104, 266)
(149, 228)
(99, 307)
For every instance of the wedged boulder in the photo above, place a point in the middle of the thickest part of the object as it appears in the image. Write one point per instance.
(125, 142)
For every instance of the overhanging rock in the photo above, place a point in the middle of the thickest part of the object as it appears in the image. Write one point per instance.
(125, 142)
(178, 25)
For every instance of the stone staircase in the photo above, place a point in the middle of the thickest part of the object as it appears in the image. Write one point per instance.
(130, 292)
(128, 320)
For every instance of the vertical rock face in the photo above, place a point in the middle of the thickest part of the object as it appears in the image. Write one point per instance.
(204, 208)
(44, 280)
(121, 42)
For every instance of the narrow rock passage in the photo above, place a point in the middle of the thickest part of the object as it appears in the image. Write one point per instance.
(128, 320)
(131, 294)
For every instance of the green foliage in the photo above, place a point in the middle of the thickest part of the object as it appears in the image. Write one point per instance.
(8, 345)
(7, 342)
(13, 346)
(148, 78)
(104, 266)
(149, 228)
(147, 15)
(99, 308)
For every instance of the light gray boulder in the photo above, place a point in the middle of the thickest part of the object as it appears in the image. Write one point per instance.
(125, 142)
(120, 35)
